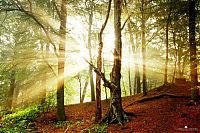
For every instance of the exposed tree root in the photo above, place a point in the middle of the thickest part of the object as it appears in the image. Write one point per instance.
(161, 96)
(115, 115)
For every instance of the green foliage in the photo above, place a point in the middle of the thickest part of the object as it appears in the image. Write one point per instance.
(97, 129)
(62, 124)
(20, 120)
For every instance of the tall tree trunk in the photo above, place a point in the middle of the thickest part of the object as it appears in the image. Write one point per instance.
(167, 44)
(44, 79)
(12, 89)
(80, 87)
(61, 63)
(131, 44)
(98, 113)
(116, 113)
(104, 70)
(167, 52)
(137, 71)
(144, 80)
(90, 51)
(175, 56)
(84, 89)
(193, 49)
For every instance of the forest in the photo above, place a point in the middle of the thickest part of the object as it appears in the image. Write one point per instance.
(96, 66)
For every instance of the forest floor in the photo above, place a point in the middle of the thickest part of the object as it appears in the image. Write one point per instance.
(164, 109)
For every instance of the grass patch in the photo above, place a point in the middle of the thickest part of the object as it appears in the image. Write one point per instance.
(19, 121)
(97, 129)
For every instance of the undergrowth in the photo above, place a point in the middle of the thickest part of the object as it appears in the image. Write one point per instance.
(19, 121)
(96, 129)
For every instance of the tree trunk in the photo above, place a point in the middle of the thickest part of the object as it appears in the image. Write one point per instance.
(104, 86)
(137, 71)
(12, 89)
(167, 52)
(144, 80)
(61, 64)
(175, 56)
(90, 51)
(116, 113)
(44, 79)
(84, 90)
(98, 113)
(193, 55)
(131, 44)
(167, 45)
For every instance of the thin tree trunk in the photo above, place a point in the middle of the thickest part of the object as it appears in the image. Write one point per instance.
(90, 51)
(84, 89)
(61, 64)
(137, 71)
(98, 113)
(167, 52)
(144, 80)
(104, 70)
(167, 45)
(80, 87)
(193, 49)
(131, 44)
(175, 56)
(11, 91)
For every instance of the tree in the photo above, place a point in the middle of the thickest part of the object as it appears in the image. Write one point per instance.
(98, 113)
(61, 63)
(167, 43)
(193, 55)
(144, 78)
(116, 114)
(91, 6)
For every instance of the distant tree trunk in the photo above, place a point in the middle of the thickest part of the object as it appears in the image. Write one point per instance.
(90, 51)
(116, 113)
(84, 89)
(175, 56)
(104, 70)
(44, 79)
(167, 52)
(80, 86)
(137, 71)
(131, 44)
(61, 63)
(98, 113)
(144, 80)
(167, 46)
(193, 55)
(12, 89)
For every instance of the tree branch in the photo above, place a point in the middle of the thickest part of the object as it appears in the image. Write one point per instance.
(30, 14)
(107, 83)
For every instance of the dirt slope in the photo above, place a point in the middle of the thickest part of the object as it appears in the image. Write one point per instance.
(164, 109)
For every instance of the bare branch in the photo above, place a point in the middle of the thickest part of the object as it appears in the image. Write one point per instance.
(107, 16)
(107, 83)
(127, 19)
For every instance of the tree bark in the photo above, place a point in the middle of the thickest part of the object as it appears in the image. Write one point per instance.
(137, 71)
(116, 113)
(167, 45)
(144, 80)
(61, 64)
(193, 49)
(90, 51)
(84, 89)
(98, 113)
(175, 56)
